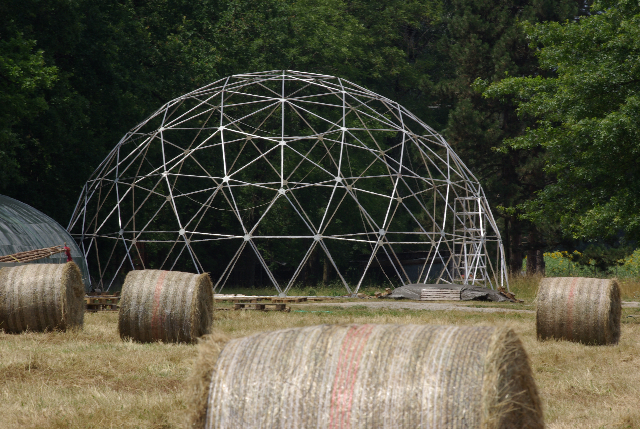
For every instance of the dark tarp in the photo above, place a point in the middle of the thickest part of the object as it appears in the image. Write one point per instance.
(467, 293)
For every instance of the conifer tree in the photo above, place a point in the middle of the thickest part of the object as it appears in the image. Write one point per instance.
(485, 43)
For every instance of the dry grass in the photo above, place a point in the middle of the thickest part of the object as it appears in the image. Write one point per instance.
(526, 287)
(630, 288)
(91, 379)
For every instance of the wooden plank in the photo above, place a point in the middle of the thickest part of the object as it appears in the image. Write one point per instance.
(102, 300)
(260, 307)
(95, 310)
(92, 308)
(287, 300)
(96, 303)
(275, 299)
(440, 295)
(241, 299)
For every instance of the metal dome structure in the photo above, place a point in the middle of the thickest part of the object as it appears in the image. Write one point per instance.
(283, 168)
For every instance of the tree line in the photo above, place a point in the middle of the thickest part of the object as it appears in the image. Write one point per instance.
(539, 98)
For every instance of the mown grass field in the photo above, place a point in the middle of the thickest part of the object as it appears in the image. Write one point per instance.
(92, 379)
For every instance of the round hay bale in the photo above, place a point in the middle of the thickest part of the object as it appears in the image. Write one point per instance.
(579, 309)
(168, 306)
(41, 297)
(368, 376)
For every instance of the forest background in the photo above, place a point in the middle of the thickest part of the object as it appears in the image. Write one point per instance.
(540, 98)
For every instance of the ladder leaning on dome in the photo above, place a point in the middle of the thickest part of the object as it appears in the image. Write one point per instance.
(33, 255)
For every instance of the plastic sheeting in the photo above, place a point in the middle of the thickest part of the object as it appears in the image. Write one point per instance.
(467, 293)
(24, 228)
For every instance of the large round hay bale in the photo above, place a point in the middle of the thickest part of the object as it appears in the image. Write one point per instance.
(579, 309)
(168, 306)
(41, 297)
(368, 376)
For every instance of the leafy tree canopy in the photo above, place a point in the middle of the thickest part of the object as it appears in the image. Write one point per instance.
(23, 77)
(586, 108)
(484, 41)
(115, 62)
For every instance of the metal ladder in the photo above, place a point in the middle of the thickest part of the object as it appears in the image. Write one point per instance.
(469, 230)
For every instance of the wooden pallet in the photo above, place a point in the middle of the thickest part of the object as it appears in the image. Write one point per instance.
(274, 299)
(102, 303)
(103, 294)
(260, 307)
(241, 299)
(288, 300)
(219, 297)
(433, 294)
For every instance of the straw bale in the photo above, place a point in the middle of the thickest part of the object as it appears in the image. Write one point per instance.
(168, 306)
(579, 309)
(369, 376)
(41, 297)
(200, 378)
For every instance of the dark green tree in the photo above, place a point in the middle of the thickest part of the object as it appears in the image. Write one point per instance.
(485, 43)
(116, 62)
(23, 79)
(586, 108)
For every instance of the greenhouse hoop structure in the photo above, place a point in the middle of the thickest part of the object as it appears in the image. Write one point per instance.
(24, 228)
(271, 174)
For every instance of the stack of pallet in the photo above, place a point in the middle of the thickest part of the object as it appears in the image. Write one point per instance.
(262, 303)
(102, 302)
(261, 306)
(440, 294)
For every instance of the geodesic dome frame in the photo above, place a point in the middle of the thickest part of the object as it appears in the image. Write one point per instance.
(282, 168)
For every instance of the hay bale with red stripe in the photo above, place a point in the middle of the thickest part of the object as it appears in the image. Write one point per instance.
(579, 309)
(367, 376)
(168, 306)
(41, 297)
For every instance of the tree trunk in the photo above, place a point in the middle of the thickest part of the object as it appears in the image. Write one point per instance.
(540, 265)
(326, 271)
(139, 256)
(251, 260)
(535, 254)
(244, 273)
(311, 268)
(515, 247)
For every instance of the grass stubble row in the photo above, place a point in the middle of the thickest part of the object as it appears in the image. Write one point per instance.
(328, 375)
(41, 297)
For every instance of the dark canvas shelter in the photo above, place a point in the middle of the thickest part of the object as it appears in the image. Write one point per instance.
(24, 228)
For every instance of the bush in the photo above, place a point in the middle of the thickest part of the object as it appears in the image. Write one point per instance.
(593, 262)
